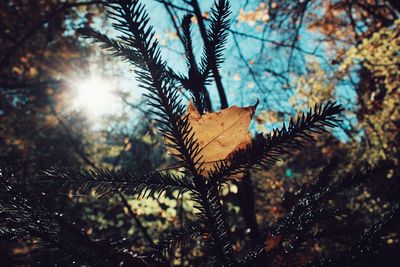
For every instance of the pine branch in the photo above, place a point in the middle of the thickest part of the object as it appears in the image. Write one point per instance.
(108, 182)
(216, 38)
(187, 42)
(219, 234)
(302, 214)
(138, 45)
(212, 217)
(132, 22)
(176, 238)
(310, 207)
(367, 245)
(195, 81)
(116, 47)
(23, 215)
(265, 150)
(16, 210)
(206, 39)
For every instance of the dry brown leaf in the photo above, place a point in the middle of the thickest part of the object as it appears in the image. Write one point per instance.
(220, 133)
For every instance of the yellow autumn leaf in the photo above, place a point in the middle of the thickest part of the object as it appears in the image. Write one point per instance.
(220, 133)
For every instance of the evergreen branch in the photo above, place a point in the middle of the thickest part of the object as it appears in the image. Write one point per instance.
(195, 82)
(310, 207)
(311, 200)
(265, 150)
(107, 182)
(176, 238)
(132, 22)
(16, 210)
(366, 245)
(216, 38)
(187, 42)
(138, 45)
(204, 35)
(219, 234)
(23, 215)
(212, 216)
(116, 47)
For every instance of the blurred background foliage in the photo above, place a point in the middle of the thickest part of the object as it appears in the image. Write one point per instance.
(288, 54)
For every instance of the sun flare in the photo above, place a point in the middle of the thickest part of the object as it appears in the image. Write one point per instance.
(95, 95)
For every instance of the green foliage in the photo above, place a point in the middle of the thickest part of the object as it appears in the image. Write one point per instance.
(379, 55)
